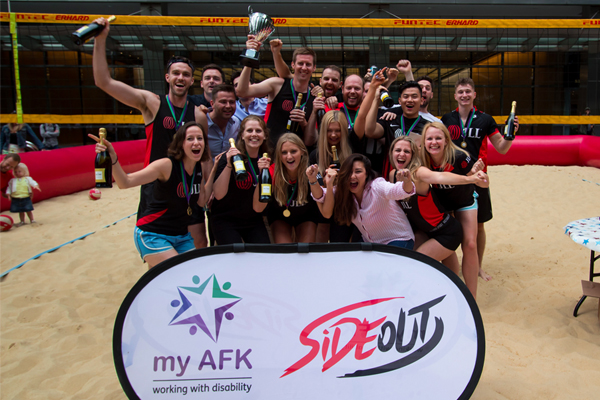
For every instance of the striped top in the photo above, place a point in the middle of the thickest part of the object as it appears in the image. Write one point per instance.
(380, 219)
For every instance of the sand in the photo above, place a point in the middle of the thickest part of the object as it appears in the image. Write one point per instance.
(58, 311)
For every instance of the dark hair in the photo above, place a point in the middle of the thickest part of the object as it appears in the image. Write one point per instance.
(241, 145)
(334, 68)
(180, 59)
(425, 78)
(223, 87)
(14, 156)
(176, 146)
(465, 82)
(213, 66)
(345, 207)
(410, 85)
(304, 51)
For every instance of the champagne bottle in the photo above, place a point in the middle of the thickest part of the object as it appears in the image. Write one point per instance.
(85, 33)
(238, 164)
(509, 129)
(292, 126)
(320, 113)
(336, 160)
(386, 99)
(265, 184)
(103, 165)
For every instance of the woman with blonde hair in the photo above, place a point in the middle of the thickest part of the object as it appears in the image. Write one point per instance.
(437, 233)
(438, 153)
(292, 212)
(333, 132)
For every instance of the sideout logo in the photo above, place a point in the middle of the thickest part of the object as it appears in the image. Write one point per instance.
(204, 306)
(335, 335)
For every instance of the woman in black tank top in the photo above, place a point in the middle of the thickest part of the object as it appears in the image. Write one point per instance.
(168, 218)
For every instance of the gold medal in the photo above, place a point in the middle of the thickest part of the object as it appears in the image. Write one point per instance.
(189, 210)
(286, 213)
(463, 145)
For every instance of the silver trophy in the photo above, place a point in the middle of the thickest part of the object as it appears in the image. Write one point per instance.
(261, 26)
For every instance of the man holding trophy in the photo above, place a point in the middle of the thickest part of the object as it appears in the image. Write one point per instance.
(282, 93)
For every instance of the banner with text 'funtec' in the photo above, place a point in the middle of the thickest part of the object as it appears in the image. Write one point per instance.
(335, 321)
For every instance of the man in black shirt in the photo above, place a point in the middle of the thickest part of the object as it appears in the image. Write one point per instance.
(470, 129)
(212, 75)
(163, 115)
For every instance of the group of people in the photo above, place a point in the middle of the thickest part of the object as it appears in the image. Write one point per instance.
(13, 137)
(397, 175)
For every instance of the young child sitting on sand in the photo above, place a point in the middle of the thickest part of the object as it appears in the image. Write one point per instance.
(19, 190)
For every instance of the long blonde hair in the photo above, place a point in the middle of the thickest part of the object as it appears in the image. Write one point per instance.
(450, 149)
(281, 178)
(343, 148)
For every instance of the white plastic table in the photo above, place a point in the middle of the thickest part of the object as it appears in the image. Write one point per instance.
(586, 232)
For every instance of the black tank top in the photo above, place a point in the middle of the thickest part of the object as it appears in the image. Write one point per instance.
(160, 132)
(278, 111)
(166, 209)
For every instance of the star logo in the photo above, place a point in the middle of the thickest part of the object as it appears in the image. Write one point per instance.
(204, 306)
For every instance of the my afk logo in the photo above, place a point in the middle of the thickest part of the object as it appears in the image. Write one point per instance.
(204, 306)
(346, 334)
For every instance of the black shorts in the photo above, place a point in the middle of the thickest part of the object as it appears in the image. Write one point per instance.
(449, 234)
(228, 232)
(298, 215)
(484, 205)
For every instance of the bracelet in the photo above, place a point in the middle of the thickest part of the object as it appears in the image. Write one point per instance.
(117, 160)
(313, 183)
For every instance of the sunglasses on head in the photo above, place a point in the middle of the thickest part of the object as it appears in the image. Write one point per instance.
(184, 60)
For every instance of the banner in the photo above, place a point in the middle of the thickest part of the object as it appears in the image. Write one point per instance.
(351, 321)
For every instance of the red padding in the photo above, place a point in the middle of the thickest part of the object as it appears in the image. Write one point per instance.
(69, 170)
(549, 150)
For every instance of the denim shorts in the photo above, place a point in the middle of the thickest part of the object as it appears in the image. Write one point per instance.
(148, 243)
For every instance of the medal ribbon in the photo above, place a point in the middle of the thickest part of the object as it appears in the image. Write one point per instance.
(296, 97)
(178, 123)
(462, 127)
(348, 116)
(287, 205)
(188, 193)
(254, 175)
(411, 127)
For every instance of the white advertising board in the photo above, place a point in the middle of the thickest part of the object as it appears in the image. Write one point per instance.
(333, 321)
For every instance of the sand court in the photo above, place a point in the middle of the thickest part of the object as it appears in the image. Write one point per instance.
(58, 311)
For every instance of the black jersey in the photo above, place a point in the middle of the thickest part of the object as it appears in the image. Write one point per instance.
(166, 210)
(236, 206)
(278, 111)
(482, 126)
(160, 132)
(159, 135)
(199, 100)
(456, 197)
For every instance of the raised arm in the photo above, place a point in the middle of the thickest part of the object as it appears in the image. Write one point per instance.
(209, 181)
(405, 68)
(360, 124)
(373, 129)
(143, 100)
(280, 66)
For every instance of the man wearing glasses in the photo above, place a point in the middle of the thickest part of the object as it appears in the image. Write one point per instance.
(163, 114)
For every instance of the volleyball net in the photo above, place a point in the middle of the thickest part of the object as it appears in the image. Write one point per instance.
(547, 66)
